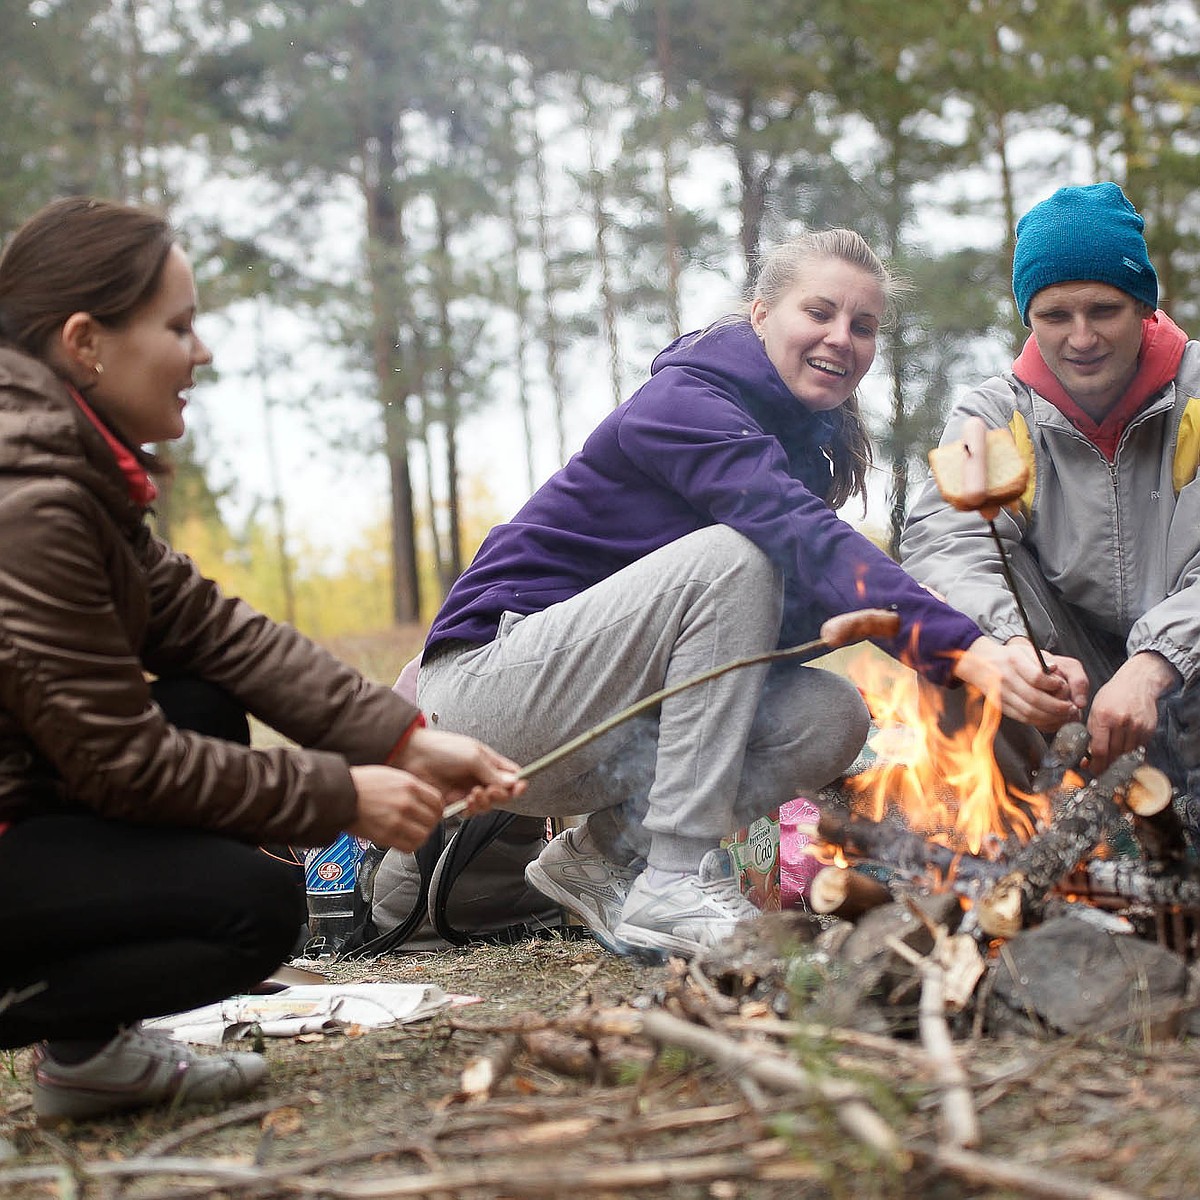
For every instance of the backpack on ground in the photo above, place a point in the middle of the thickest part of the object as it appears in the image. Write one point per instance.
(465, 884)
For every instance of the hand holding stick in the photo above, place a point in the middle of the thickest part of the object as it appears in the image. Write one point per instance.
(842, 630)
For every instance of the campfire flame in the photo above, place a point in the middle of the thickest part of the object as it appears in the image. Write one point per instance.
(946, 786)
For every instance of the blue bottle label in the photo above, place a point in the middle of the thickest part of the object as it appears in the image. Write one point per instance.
(330, 870)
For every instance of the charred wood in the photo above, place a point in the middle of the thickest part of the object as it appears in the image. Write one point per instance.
(1085, 820)
(907, 854)
(1065, 754)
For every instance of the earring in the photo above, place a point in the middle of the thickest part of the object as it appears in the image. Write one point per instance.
(99, 368)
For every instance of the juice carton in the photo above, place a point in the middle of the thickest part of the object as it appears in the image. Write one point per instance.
(755, 853)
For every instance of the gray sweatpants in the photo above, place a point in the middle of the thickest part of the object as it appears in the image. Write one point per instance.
(669, 785)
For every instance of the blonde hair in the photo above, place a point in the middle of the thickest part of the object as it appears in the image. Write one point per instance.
(850, 452)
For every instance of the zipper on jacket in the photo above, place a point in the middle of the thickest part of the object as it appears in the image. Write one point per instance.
(1120, 554)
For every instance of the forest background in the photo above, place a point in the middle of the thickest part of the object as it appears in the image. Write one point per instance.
(437, 239)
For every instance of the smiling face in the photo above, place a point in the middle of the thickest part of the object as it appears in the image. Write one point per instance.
(148, 362)
(1090, 336)
(820, 332)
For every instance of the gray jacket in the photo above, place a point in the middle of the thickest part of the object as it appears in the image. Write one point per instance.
(1120, 541)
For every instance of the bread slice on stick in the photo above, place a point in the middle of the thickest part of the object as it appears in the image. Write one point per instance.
(980, 472)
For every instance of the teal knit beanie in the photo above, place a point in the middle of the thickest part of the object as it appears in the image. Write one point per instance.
(1087, 233)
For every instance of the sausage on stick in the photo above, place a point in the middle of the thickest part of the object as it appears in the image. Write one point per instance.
(841, 630)
(981, 474)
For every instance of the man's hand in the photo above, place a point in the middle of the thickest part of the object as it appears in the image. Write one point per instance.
(1125, 711)
(1045, 700)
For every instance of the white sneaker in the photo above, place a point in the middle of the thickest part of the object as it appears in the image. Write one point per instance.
(139, 1067)
(688, 915)
(586, 883)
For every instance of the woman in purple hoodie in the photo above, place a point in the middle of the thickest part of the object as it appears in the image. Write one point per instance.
(697, 526)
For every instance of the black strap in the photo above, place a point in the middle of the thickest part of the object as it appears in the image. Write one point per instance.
(474, 835)
(365, 941)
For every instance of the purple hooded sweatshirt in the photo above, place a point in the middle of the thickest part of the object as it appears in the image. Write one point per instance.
(713, 437)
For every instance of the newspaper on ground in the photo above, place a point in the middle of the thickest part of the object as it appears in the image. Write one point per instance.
(307, 1008)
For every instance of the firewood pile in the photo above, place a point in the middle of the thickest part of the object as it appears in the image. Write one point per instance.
(849, 1038)
(1055, 933)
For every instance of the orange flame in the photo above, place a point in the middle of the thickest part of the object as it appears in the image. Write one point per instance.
(946, 786)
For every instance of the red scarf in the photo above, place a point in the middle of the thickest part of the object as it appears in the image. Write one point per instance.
(141, 487)
(1158, 362)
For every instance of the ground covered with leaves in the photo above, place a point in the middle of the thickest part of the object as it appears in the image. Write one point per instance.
(535, 1090)
(570, 1077)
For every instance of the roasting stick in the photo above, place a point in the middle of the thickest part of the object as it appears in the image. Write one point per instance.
(974, 495)
(842, 630)
(1011, 580)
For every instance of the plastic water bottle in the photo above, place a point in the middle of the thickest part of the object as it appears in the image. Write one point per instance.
(330, 881)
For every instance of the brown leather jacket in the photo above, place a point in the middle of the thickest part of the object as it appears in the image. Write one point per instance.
(91, 603)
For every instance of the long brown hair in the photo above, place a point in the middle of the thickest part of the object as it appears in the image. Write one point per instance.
(80, 255)
(850, 452)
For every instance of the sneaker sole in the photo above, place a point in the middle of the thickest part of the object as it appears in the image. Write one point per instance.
(537, 878)
(656, 942)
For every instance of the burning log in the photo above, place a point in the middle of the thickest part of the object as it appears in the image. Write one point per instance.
(1156, 824)
(840, 892)
(1065, 754)
(907, 854)
(1086, 818)
(1120, 883)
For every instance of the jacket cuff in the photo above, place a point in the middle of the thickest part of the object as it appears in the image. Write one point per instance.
(418, 722)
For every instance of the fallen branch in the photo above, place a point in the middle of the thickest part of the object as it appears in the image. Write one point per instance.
(1036, 1181)
(960, 1124)
(766, 1159)
(850, 1106)
(223, 1120)
(875, 1042)
(761, 1160)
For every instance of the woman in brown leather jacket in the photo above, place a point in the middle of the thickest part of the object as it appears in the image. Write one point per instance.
(130, 881)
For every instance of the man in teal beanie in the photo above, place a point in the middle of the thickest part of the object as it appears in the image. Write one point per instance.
(1104, 405)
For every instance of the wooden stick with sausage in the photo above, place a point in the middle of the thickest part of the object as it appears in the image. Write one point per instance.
(841, 630)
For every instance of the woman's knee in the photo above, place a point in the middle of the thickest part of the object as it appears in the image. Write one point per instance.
(728, 550)
(822, 717)
(257, 906)
(278, 895)
(850, 725)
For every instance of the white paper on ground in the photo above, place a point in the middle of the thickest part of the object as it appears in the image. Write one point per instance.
(306, 1008)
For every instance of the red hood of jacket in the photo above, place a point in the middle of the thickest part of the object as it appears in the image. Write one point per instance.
(141, 487)
(1158, 363)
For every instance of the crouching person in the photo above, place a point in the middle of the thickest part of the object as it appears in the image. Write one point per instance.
(1105, 542)
(697, 525)
(130, 881)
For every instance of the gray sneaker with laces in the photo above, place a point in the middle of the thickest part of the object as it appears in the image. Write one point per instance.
(138, 1068)
(688, 915)
(583, 882)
